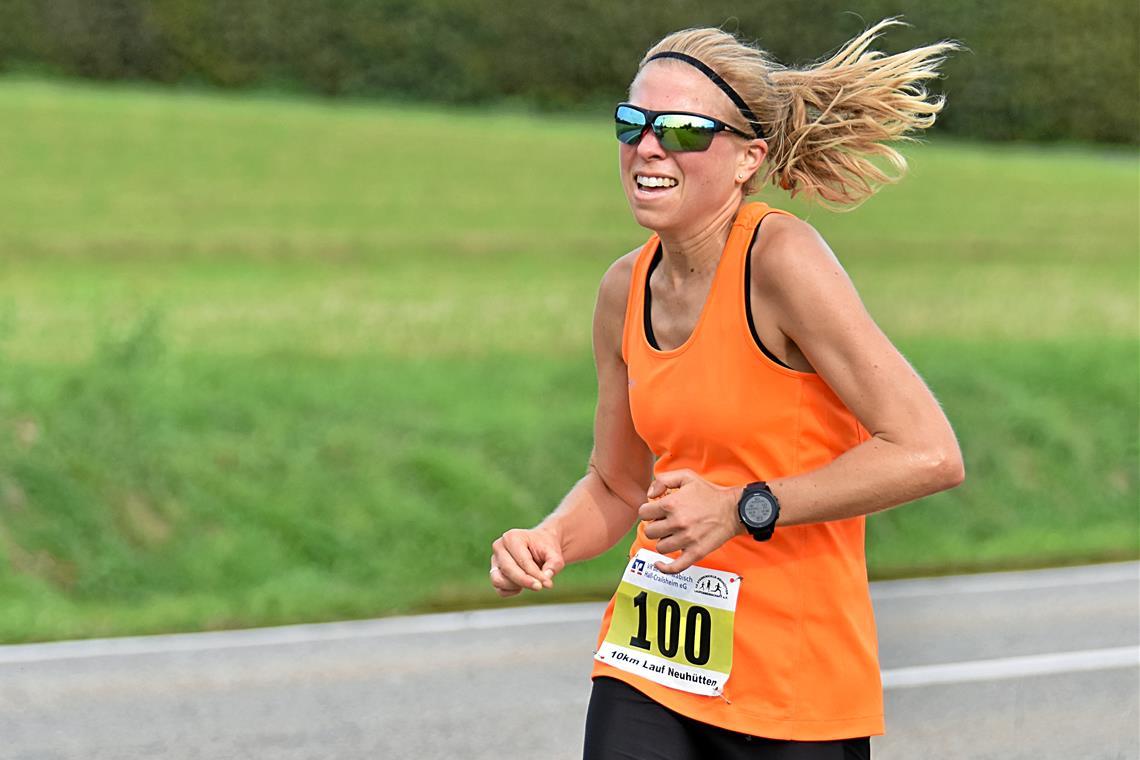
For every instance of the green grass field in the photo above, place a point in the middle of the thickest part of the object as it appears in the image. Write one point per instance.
(266, 360)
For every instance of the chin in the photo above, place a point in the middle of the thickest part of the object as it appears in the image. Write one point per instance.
(654, 219)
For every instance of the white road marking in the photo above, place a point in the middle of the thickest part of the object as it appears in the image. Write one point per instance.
(1013, 667)
(553, 614)
(1024, 580)
(447, 622)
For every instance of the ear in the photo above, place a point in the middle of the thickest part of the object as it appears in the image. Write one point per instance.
(753, 156)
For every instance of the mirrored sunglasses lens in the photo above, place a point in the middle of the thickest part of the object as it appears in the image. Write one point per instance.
(684, 133)
(629, 124)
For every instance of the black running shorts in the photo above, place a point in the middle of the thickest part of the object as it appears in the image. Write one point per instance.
(624, 724)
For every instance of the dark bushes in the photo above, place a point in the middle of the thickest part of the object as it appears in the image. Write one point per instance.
(1054, 69)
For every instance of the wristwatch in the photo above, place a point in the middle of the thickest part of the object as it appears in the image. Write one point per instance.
(759, 509)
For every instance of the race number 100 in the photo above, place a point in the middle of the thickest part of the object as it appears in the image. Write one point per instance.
(693, 627)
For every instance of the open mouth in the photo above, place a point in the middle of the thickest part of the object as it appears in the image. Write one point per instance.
(654, 184)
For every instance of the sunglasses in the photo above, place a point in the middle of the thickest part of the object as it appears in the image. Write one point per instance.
(675, 130)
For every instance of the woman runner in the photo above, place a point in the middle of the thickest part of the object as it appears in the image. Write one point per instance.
(750, 412)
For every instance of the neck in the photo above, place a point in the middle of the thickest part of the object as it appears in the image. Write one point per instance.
(696, 250)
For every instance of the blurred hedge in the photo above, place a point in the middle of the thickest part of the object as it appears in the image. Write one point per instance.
(1052, 69)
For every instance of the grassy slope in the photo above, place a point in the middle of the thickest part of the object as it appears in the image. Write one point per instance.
(272, 360)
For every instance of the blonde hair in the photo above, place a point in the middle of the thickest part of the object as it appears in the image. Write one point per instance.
(823, 123)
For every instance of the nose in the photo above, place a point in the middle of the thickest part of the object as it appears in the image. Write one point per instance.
(649, 146)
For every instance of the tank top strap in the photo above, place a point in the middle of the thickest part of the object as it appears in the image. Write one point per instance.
(744, 226)
(730, 306)
(743, 231)
(635, 299)
(750, 214)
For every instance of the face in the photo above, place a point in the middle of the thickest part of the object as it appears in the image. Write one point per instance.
(706, 181)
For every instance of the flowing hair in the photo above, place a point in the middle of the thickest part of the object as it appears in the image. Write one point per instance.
(825, 122)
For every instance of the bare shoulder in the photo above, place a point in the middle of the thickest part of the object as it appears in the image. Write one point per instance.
(793, 266)
(788, 242)
(614, 290)
(609, 313)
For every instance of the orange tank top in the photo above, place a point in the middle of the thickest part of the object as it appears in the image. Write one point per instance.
(805, 652)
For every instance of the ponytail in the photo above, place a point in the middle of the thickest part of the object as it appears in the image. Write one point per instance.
(825, 123)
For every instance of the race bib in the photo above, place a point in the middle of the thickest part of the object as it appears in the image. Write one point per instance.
(673, 629)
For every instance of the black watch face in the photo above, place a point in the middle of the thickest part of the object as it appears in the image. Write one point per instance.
(758, 510)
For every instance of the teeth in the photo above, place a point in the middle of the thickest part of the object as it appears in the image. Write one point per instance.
(655, 181)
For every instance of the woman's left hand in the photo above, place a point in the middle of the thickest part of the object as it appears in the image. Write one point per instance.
(686, 513)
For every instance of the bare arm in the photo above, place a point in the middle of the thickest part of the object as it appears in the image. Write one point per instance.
(912, 451)
(602, 506)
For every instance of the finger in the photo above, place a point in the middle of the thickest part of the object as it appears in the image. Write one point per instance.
(673, 479)
(658, 529)
(510, 570)
(552, 567)
(551, 564)
(520, 551)
(680, 564)
(504, 594)
(653, 510)
(656, 489)
(672, 542)
(536, 579)
(661, 491)
(502, 586)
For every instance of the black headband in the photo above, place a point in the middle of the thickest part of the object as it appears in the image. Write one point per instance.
(723, 85)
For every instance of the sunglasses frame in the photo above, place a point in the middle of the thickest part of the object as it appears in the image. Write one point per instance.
(651, 118)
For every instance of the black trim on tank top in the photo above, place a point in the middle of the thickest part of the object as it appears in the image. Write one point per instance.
(657, 256)
(645, 312)
(748, 298)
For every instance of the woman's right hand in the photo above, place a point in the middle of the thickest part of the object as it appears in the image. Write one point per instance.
(601, 507)
(525, 559)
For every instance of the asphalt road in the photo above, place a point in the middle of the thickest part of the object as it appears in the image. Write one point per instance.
(1044, 664)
